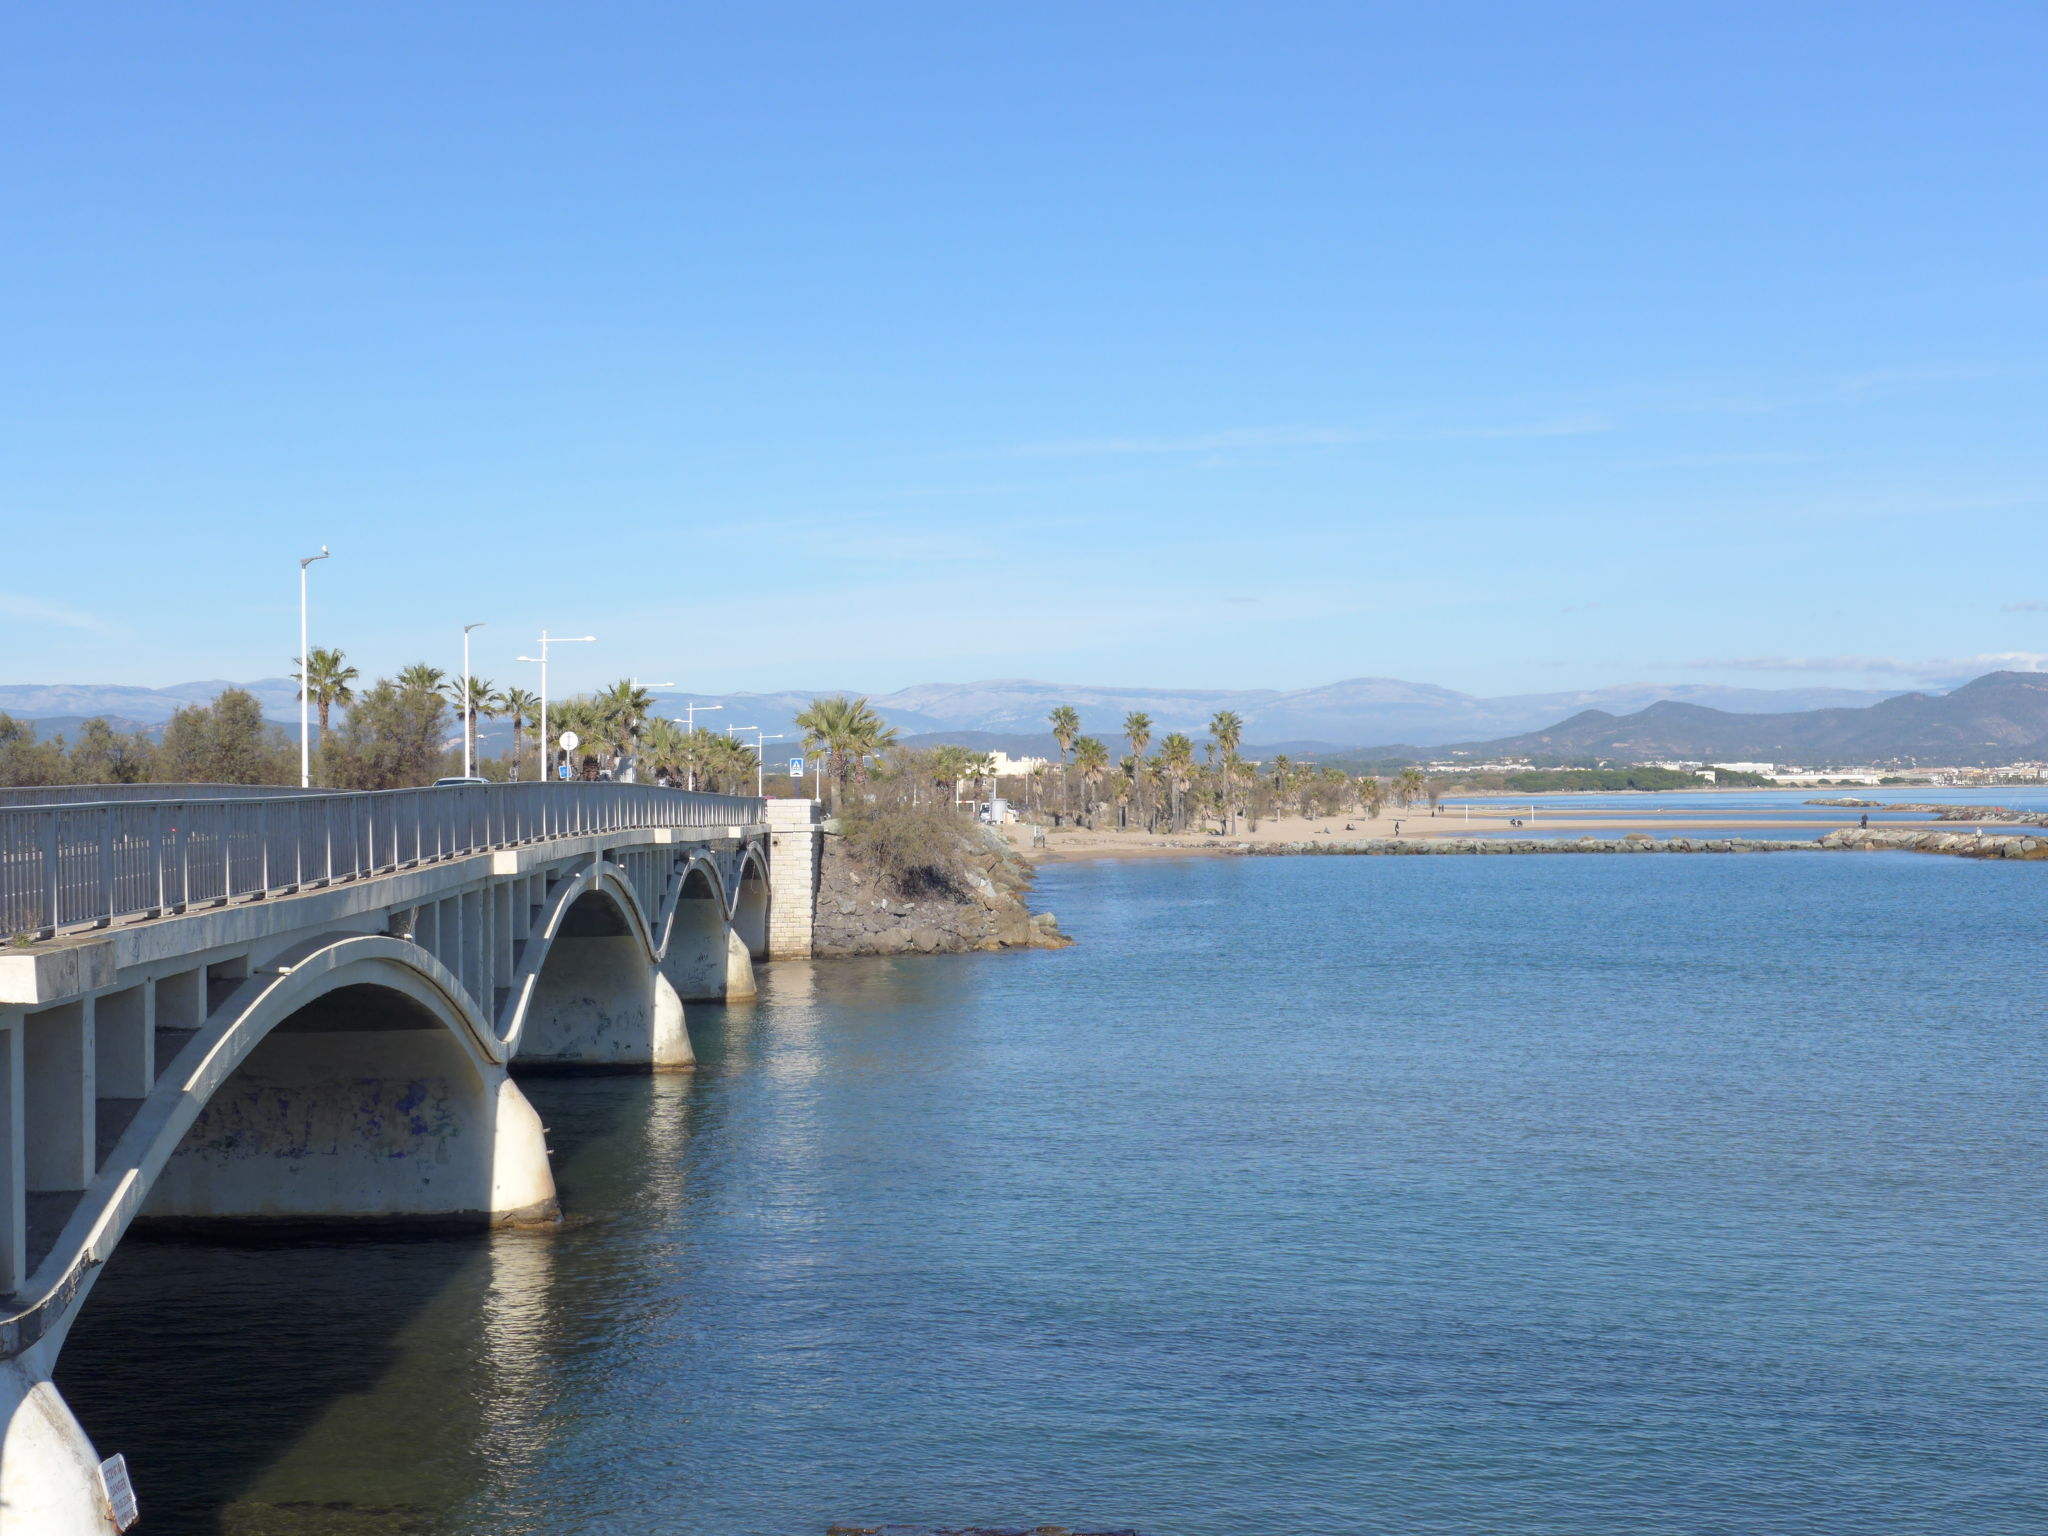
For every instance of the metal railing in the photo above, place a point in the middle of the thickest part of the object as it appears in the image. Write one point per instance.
(92, 794)
(73, 866)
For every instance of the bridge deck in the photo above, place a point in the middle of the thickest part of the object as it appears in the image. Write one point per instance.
(86, 864)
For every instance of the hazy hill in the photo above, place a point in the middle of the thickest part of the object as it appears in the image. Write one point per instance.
(2001, 717)
(1302, 720)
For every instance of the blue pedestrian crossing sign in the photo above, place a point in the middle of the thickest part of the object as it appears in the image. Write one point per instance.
(796, 767)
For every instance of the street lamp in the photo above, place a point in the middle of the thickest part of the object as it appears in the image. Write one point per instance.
(547, 640)
(306, 680)
(468, 704)
(760, 756)
(688, 719)
(634, 682)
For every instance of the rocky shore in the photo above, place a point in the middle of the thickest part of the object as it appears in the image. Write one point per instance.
(979, 906)
(1968, 845)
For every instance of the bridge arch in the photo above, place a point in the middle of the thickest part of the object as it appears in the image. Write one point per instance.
(591, 994)
(349, 1080)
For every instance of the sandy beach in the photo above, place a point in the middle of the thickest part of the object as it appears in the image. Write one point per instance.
(1692, 817)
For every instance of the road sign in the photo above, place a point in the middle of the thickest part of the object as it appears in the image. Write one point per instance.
(571, 741)
(796, 767)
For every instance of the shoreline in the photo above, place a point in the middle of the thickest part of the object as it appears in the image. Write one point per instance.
(1584, 831)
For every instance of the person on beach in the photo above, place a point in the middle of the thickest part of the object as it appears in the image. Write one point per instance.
(1863, 820)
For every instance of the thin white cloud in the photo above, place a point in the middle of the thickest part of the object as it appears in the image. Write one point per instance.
(1931, 669)
(1248, 438)
(2027, 607)
(34, 610)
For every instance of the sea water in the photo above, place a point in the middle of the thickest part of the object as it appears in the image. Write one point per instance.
(1549, 1196)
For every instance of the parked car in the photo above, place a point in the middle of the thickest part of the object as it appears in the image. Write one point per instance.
(458, 779)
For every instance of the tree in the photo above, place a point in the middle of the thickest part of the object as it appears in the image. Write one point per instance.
(392, 739)
(1227, 727)
(1177, 758)
(1138, 732)
(666, 747)
(1091, 757)
(103, 755)
(484, 699)
(25, 761)
(949, 765)
(421, 678)
(1066, 729)
(522, 709)
(1374, 791)
(225, 742)
(1408, 787)
(622, 713)
(849, 732)
(328, 681)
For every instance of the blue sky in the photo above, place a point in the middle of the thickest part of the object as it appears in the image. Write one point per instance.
(1507, 347)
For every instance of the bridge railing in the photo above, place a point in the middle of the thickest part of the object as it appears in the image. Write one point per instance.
(86, 865)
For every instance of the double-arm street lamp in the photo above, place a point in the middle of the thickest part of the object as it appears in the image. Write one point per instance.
(688, 721)
(547, 640)
(306, 680)
(760, 756)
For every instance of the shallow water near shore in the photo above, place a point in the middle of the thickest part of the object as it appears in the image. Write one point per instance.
(1555, 1196)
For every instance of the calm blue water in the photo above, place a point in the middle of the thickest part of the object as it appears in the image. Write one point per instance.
(1554, 1197)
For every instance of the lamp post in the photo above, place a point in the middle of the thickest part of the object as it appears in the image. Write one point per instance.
(547, 640)
(689, 723)
(760, 757)
(638, 683)
(468, 704)
(306, 680)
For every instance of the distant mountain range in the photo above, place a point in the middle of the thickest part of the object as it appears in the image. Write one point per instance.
(1997, 718)
(2001, 717)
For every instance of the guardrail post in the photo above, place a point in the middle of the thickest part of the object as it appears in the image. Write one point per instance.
(50, 874)
(156, 848)
(263, 838)
(103, 915)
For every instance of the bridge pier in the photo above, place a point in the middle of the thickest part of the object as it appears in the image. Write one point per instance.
(49, 1472)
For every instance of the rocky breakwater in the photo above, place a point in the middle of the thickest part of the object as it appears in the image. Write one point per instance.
(1634, 843)
(1966, 845)
(1985, 813)
(969, 898)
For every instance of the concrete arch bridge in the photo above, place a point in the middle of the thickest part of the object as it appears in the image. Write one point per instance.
(306, 1008)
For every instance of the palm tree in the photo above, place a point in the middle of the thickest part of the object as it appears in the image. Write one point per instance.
(1092, 758)
(576, 714)
(1138, 732)
(1373, 789)
(1066, 729)
(622, 711)
(484, 699)
(849, 732)
(949, 765)
(327, 682)
(421, 678)
(522, 708)
(1228, 729)
(1177, 757)
(1408, 787)
(666, 747)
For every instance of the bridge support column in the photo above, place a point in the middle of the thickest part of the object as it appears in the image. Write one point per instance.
(739, 969)
(49, 1472)
(794, 838)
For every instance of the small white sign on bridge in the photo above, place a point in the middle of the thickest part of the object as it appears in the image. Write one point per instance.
(120, 1491)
